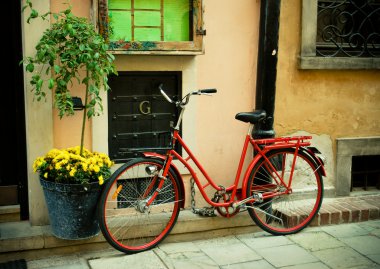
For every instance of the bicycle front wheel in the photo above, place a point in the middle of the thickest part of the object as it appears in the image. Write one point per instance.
(291, 212)
(125, 221)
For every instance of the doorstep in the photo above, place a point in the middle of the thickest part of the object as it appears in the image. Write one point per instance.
(9, 213)
(21, 236)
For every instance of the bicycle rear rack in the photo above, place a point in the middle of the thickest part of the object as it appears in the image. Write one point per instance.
(284, 142)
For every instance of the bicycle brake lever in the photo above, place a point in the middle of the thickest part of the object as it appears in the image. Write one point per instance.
(164, 94)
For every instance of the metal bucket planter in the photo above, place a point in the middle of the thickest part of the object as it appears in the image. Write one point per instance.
(72, 209)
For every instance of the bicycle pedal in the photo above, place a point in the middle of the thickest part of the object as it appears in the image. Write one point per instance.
(258, 197)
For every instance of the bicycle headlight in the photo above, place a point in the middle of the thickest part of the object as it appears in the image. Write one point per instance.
(151, 169)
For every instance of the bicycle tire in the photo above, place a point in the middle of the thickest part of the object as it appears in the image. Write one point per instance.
(124, 223)
(287, 213)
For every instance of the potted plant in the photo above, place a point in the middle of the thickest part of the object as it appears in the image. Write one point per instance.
(71, 50)
(72, 182)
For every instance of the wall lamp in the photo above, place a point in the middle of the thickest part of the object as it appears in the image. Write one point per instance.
(77, 103)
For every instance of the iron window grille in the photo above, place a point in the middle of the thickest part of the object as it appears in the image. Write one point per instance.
(340, 34)
(348, 28)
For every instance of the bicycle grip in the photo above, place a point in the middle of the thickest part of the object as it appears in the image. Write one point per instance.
(208, 91)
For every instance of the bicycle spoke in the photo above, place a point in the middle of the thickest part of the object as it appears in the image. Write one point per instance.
(127, 223)
(287, 211)
(266, 213)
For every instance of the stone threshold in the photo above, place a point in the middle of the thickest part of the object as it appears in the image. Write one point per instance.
(9, 213)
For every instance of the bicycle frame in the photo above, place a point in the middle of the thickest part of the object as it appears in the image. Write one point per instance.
(268, 144)
(260, 147)
(141, 202)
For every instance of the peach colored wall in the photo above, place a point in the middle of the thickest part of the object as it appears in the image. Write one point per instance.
(333, 102)
(229, 64)
(67, 131)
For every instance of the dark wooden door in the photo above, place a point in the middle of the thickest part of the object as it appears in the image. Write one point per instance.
(13, 175)
(139, 117)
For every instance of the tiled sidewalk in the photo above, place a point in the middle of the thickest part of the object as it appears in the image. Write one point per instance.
(353, 245)
(346, 227)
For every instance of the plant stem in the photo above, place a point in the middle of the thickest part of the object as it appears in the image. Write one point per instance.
(84, 118)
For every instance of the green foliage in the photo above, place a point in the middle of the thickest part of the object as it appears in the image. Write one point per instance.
(69, 47)
(70, 50)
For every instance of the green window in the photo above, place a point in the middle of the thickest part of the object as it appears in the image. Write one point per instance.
(153, 25)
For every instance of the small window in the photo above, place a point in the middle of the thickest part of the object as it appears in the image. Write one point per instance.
(340, 34)
(348, 29)
(365, 172)
(152, 26)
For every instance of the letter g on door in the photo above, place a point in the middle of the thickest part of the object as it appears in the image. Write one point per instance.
(144, 107)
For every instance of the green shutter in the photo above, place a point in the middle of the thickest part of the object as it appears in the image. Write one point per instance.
(177, 20)
(120, 22)
(147, 20)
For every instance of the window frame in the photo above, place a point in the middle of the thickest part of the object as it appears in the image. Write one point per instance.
(193, 47)
(309, 59)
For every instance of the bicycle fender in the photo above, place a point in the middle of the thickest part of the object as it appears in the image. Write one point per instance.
(309, 151)
(312, 152)
(156, 155)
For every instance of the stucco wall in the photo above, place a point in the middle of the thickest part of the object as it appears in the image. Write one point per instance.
(67, 131)
(332, 103)
(229, 64)
(38, 119)
(338, 103)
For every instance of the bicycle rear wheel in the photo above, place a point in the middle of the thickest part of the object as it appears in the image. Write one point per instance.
(285, 213)
(124, 220)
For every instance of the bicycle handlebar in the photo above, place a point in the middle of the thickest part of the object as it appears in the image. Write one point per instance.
(185, 99)
(208, 91)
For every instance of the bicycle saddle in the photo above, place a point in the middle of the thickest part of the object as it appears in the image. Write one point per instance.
(252, 117)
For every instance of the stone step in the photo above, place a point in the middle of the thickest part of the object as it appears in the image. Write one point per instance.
(348, 209)
(21, 236)
(9, 213)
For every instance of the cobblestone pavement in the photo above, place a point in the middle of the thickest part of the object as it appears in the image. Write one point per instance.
(353, 245)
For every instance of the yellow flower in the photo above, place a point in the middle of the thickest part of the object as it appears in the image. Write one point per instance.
(101, 180)
(72, 172)
(84, 167)
(109, 163)
(68, 166)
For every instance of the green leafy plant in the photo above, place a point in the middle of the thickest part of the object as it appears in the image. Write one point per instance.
(69, 50)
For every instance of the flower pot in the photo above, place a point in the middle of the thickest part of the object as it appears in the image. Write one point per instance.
(72, 209)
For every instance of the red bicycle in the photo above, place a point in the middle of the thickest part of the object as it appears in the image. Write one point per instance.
(282, 187)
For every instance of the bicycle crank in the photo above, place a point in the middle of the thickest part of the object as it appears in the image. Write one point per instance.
(257, 196)
(226, 211)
